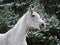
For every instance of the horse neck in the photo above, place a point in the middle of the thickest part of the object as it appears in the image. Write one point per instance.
(20, 30)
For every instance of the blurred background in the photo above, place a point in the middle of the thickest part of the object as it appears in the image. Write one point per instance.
(49, 10)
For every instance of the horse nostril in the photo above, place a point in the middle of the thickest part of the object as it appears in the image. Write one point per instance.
(42, 24)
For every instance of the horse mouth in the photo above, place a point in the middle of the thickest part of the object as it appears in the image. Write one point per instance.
(36, 29)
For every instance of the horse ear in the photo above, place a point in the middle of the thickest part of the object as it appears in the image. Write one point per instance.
(31, 8)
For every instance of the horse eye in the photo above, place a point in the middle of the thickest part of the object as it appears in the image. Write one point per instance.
(33, 15)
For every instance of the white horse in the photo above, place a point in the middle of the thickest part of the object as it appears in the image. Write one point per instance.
(17, 35)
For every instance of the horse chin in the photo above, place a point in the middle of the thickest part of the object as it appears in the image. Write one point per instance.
(37, 28)
(34, 28)
(40, 29)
